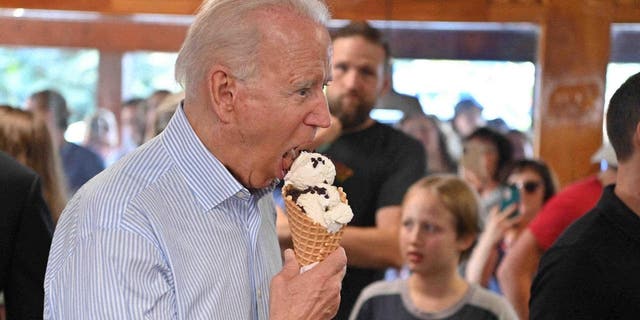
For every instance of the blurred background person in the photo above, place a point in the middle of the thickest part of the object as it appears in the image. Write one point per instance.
(101, 136)
(486, 155)
(165, 111)
(536, 184)
(426, 129)
(522, 144)
(467, 117)
(132, 125)
(79, 163)
(26, 138)
(25, 236)
(153, 101)
(375, 163)
(517, 269)
(439, 226)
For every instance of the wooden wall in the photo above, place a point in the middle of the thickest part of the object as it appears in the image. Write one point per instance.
(573, 51)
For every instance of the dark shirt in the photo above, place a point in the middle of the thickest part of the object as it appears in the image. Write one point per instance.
(80, 165)
(25, 237)
(593, 270)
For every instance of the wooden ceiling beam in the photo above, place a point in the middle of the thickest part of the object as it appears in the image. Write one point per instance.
(108, 35)
(408, 10)
(109, 6)
(625, 11)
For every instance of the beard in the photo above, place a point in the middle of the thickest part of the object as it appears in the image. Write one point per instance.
(350, 115)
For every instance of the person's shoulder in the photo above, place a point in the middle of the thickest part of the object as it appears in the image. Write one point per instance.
(582, 232)
(82, 153)
(579, 188)
(123, 181)
(382, 287)
(491, 302)
(11, 171)
(18, 183)
(574, 200)
(397, 137)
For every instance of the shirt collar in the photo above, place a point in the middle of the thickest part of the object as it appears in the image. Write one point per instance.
(619, 213)
(209, 180)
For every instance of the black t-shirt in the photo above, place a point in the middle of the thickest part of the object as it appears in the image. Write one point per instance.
(593, 270)
(375, 167)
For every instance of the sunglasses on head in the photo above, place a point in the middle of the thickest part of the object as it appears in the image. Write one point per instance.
(528, 186)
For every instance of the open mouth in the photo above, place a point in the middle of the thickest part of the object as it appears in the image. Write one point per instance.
(287, 160)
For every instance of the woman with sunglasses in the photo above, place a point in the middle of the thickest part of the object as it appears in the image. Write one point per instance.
(534, 184)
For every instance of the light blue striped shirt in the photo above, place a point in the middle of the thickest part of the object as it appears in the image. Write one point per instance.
(166, 233)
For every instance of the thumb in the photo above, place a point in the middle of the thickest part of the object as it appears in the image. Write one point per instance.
(291, 267)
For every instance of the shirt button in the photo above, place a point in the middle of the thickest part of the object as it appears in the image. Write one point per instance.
(259, 294)
(242, 195)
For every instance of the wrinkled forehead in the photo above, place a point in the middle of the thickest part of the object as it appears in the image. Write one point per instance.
(280, 24)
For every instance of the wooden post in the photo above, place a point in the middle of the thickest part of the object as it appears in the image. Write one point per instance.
(110, 81)
(573, 57)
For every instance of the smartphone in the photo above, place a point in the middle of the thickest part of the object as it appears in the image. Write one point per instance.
(510, 195)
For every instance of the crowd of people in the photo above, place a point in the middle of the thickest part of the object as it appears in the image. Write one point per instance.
(169, 208)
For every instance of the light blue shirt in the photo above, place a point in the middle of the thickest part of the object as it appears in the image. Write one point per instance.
(166, 233)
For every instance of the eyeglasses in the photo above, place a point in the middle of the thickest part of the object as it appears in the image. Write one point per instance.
(528, 186)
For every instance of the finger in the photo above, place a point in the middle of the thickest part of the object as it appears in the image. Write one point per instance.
(338, 259)
(335, 263)
(291, 267)
(508, 210)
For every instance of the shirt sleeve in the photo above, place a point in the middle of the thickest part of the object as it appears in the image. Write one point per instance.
(111, 274)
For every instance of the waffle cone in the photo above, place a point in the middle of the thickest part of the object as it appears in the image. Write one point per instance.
(311, 241)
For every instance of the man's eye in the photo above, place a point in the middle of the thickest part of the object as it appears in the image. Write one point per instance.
(430, 228)
(367, 72)
(340, 67)
(303, 92)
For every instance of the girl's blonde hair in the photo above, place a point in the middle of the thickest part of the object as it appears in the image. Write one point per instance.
(26, 138)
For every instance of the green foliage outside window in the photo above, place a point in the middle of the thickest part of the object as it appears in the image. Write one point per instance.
(73, 72)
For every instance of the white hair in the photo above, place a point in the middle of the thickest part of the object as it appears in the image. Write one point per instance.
(222, 33)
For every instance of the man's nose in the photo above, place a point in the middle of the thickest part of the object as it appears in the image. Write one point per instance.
(319, 116)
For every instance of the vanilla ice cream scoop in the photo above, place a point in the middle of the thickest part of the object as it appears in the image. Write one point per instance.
(310, 169)
(310, 182)
(322, 204)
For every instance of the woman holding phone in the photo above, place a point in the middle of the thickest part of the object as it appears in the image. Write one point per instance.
(532, 184)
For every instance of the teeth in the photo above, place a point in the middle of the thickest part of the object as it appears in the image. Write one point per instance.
(293, 153)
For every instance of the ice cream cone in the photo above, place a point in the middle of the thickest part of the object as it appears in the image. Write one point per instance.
(311, 241)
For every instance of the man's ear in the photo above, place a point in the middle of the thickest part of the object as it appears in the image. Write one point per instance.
(222, 92)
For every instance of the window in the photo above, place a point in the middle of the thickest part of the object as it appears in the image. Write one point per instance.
(503, 88)
(144, 71)
(72, 72)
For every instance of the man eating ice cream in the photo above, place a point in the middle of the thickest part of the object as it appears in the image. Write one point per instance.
(184, 226)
